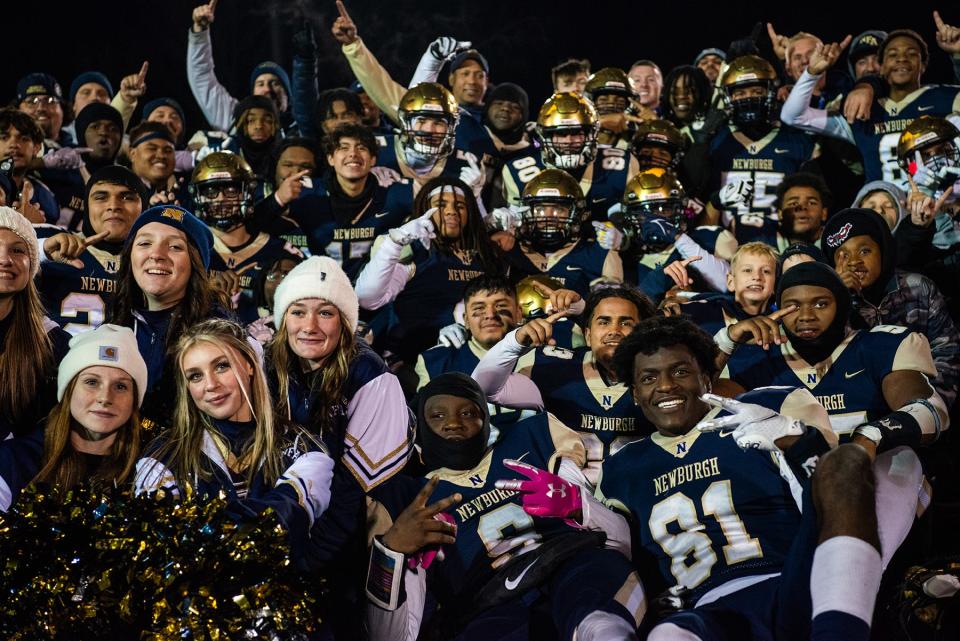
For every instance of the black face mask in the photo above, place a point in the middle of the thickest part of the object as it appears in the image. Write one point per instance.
(817, 274)
(439, 452)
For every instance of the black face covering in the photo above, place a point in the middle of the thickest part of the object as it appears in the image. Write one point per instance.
(439, 452)
(819, 275)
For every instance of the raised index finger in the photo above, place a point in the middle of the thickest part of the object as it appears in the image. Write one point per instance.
(772, 33)
(780, 313)
(913, 185)
(554, 317)
(421, 499)
(343, 10)
(938, 21)
(213, 5)
(715, 400)
(96, 238)
(844, 43)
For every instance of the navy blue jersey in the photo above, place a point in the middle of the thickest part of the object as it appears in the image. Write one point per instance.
(442, 359)
(69, 190)
(349, 242)
(261, 252)
(577, 266)
(707, 510)
(604, 416)
(849, 383)
(426, 303)
(78, 299)
(766, 161)
(652, 280)
(877, 137)
(491, 523)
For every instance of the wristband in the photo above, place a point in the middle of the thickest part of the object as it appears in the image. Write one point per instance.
(895, 429)
(724, 342)
(384, 576)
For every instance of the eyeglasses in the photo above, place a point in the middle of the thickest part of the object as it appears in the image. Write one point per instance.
(36, 101)
(230, 190)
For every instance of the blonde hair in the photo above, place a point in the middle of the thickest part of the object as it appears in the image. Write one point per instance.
(797, 37)
(64, 467)
(27, 355)
(283, 360)
(183, 449)
(755, 248)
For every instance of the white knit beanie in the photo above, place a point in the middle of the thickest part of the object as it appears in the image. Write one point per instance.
(13, 220)
(110, 346)
(317, 277)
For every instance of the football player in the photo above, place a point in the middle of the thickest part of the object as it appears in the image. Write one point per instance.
(753, 149)
(610, 91)
(222, 187)
(490, 311)
(78, 271)
(526, 370)
(802, 203)
(550, 238)
(566, 129)
(653, 231)
(720, 500)
(466, 537)
(872, 383)
(903, 56)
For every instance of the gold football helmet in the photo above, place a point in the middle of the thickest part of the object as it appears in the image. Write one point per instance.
(533, 304)
(748, 71)
(608, 81)
(573, 118)
(428, 116)
(654, 140)
(655, 209)
(554, 210)
(929, 142)
(228, 174)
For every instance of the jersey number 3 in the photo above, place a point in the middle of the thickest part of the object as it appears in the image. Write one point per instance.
(691, 541)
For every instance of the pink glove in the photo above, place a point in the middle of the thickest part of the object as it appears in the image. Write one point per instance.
(545, 494)
(425, 557)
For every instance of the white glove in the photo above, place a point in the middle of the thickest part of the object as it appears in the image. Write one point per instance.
(417, 229)
(754, 426)
(445, 48)
(65, 158)
(608, 236)
(385, 176)
(453, 335)
(931, 182)
(736, 193)
(508, 218)
(472, 174)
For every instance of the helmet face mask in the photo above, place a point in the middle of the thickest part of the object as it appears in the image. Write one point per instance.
(428, 116)
(554, 211)
(428, 134)
(223, 187)
(749, 90)
(567, 127)
(569, 148)
(654, 211)
(930, 143)
(658, 143)
(549, 224)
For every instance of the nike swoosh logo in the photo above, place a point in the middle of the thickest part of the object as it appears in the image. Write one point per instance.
(780, 151)
(597, 200)
(723, 434)
(511, 584)
(925, 108)
(520, 458)
(381, 214)
(571, 268)
(849, 375)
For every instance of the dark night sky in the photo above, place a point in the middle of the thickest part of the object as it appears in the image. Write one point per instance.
(521, 39)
